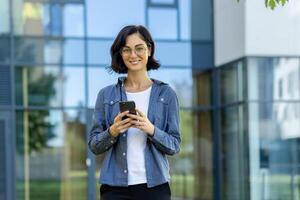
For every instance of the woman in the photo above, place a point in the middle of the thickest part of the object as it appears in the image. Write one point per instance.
(135, 164)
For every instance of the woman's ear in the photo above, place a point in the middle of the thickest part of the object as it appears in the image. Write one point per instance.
(150, 51)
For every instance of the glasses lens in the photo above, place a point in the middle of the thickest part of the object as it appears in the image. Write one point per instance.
(140, 50)
(126, 51)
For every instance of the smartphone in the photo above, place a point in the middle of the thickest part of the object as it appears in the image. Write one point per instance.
(127, 105)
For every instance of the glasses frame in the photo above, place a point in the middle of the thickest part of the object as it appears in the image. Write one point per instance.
(134, 50)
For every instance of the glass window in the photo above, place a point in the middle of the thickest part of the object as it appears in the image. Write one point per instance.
(52, 19)
(203, 159)
(4, 13)
(38, 86)
(273, 79)
(4, 49)
(98, 78)
(5, 86)
(98, 13)
(74, 78)
(174, 54)
(51, 154)
(228, 85)
(37, 50)
(163, 23)
(185, 19)
(99, 51)
(274, 132)
(181, 81)
(182, 165)
(52, 51)
(201, 20)
(34, 18)
(29, 18)
(73, 20)
(73, 51)
(204, 88)
(171, 2)
(233, 155)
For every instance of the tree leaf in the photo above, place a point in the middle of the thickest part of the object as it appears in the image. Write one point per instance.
(272, 4)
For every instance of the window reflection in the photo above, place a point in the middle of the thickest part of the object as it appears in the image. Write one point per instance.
(185, 19)
(5, 50)
(73, 86)
(180, 81)
(51, 149)
(274, 134)
(204, 88)
(274, 79)
(4, 13)
(97, 13)
(53, 19)
(38, 86)
(182, 170)
(163, 23)
(203, 159)
(233, 149)
(97, 79)
(37, 18)
(168, 2)
(73, 20)
(228, 85)
(73, 51)
(99, 51)
(166, 51)
(35, 50)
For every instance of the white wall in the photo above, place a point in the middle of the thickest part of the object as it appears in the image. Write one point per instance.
(272, 32)
(249, 28)
(229, 26)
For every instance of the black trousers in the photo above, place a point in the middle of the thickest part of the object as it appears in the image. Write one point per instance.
(136, 192)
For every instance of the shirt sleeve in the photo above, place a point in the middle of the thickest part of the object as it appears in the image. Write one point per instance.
(100, 139)
(169, 141)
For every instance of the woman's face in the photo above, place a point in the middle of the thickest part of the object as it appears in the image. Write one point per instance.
(135, 53)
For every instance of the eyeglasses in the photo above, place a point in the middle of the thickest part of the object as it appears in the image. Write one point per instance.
(139, 51)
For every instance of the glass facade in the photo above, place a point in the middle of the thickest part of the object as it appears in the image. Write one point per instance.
(240, 123)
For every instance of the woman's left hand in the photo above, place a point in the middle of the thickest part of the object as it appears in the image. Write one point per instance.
(141, 122)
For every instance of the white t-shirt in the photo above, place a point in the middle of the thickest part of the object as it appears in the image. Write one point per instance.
(136, 141)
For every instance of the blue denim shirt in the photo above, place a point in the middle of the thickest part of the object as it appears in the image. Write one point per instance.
(163, 112)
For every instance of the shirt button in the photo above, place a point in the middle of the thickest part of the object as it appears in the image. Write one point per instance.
(162, 99)
(112, 141)
(124, 154)
(124, 135)
(111, 102)
(125, 171)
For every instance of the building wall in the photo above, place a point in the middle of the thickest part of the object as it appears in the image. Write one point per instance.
(248, 28)
(229, 31)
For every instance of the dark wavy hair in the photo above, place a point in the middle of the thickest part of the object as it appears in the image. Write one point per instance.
(117, 63)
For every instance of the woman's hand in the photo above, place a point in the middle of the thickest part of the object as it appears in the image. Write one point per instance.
(119, 125)
(141, 122)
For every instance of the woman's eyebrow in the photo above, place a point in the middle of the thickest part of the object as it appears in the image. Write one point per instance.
(135, 45)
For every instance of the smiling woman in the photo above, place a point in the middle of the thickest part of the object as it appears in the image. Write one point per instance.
(135, 164)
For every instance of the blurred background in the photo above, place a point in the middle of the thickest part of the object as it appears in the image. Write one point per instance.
(234, 66)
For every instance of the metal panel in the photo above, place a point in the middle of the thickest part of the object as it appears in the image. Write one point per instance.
(2, 158)
(5, 86)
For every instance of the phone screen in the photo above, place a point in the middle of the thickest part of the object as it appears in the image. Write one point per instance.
(127, 105)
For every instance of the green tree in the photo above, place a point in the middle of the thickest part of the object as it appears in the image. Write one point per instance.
(273, 3)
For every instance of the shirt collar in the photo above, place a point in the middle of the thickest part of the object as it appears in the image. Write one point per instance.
(122, 79)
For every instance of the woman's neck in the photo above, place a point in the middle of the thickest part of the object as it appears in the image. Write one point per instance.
(137, 82)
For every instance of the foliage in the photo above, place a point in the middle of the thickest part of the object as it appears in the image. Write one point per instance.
(40, 129)
(273, 3)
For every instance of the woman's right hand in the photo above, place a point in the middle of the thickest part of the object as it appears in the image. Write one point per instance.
(119, 125)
